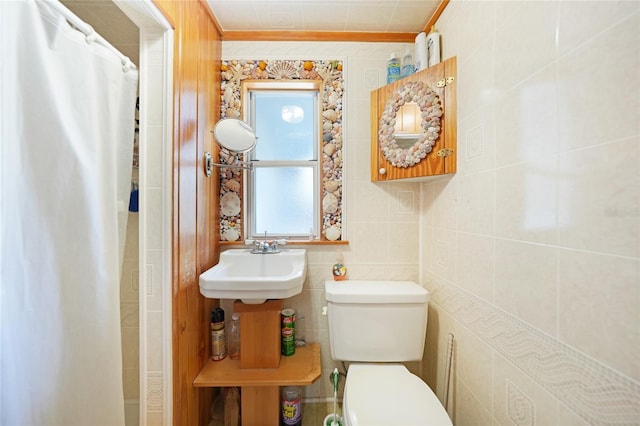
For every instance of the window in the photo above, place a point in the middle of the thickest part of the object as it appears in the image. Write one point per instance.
(283, 187)
(325, 77)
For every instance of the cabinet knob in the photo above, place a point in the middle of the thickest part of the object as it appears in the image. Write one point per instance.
(382, 171)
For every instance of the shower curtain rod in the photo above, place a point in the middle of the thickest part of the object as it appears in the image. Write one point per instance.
(89, 32)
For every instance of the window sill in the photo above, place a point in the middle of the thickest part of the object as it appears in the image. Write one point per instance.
(292, 243)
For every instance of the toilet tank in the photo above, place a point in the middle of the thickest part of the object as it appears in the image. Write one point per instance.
(376, 321)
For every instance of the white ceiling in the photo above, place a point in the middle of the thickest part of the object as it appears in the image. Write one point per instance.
(384, 16)
(330, 15)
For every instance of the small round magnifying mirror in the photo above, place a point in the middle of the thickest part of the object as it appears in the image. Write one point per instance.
(234, 135)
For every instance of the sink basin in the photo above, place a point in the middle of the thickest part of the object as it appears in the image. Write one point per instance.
(254, 278)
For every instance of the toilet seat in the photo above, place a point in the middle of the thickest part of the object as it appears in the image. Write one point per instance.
(389, 394)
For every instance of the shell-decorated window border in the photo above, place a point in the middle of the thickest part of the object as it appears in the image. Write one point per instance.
(330, 72)
(431, 111)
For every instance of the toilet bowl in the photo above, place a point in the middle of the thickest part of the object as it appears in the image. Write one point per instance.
(389, 394)
(376, 325)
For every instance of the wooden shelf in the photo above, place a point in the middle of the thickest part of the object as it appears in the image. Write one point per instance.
(303, 368)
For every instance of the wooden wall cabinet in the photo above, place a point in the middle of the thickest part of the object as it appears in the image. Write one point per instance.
(440, 78)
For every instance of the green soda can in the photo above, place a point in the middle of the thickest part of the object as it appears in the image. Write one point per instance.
(288, 323)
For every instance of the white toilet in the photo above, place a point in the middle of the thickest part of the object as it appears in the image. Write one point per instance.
(377, 325)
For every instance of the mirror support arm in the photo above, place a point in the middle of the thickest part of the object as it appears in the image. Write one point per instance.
(246, 166)
(209, 164)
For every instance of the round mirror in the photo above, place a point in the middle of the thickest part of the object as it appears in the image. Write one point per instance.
(234, 135)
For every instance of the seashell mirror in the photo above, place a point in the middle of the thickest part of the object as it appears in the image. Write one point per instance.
(415, 103)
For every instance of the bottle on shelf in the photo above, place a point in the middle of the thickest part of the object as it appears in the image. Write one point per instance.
(218, 343)
(393, 68)
(234, 337)
(408, 67)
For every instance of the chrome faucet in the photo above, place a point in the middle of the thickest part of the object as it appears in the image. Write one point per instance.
(264, 246)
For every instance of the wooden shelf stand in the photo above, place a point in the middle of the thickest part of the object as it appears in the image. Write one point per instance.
(261, 369)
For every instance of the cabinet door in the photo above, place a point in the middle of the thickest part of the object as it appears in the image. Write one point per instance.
(441, 159)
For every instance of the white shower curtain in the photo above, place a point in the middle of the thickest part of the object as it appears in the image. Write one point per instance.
(67, 123)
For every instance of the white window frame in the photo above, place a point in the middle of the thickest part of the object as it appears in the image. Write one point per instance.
(315, 86)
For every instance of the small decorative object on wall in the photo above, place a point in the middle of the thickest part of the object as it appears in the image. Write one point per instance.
(330, 72)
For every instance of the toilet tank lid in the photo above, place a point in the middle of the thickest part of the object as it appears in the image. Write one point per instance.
(366, 291)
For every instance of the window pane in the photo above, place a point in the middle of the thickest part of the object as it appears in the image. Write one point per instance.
(284, 123)
(284, 200)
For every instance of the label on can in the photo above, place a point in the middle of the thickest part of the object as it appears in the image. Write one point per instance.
(218, 344)
(292, 412)
(288, 322)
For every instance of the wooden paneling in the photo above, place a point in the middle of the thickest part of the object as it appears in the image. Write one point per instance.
(436, 15)
(352, 36)
(451, 116)
(197, 51)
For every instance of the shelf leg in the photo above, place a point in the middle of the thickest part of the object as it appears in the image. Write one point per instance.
(260, 405)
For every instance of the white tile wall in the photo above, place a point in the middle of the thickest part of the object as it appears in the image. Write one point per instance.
(545, 297)
(129, 312)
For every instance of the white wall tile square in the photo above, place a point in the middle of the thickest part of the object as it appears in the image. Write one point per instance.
(475, 364)
(528, 120)
(599, 307)
(518, 399)
(476, 201)
(477, 142)
(599, 198)
(598, 88)
(580, 21)
(526, 201)
(525, 43)
(475, 77)
(526, 282)
(476, 264)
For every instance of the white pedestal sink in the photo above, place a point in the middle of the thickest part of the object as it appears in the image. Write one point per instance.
(254, 278)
